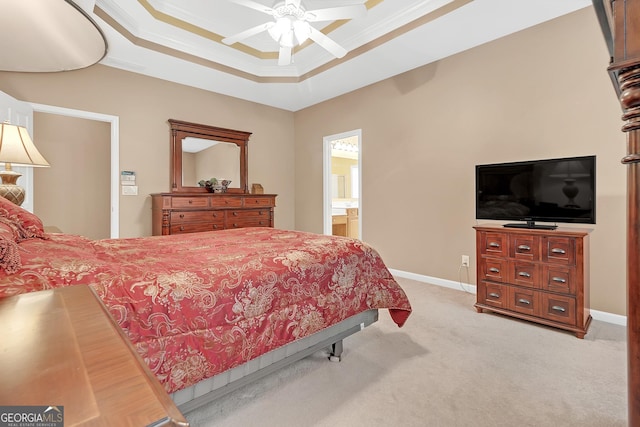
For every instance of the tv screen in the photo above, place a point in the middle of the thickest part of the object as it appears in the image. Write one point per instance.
(551, 190)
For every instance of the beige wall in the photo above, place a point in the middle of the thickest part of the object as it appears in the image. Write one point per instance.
(71, 193)
(144, 105)
(541, 93)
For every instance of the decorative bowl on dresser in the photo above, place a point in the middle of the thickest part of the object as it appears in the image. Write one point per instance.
(537, 275)
(190, 207)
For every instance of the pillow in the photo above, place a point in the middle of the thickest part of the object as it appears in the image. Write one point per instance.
(7, 230)
(9, 256)
(28, 224)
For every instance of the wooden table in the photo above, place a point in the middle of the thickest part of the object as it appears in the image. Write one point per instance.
(61, 348)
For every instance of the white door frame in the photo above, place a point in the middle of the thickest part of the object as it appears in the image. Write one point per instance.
(115, 152)
(326, 179)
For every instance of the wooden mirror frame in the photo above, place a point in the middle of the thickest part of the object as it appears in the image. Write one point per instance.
(181, 130)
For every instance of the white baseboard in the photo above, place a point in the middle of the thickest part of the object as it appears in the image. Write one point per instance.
(602, 316)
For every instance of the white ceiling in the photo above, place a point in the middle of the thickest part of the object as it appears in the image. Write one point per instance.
(180, 41)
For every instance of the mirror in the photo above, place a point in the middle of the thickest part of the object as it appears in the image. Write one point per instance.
(204, 159)
(200, 152)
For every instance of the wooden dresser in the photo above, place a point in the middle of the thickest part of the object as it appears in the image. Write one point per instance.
(177, 213)
(536, 275)
(61, 348)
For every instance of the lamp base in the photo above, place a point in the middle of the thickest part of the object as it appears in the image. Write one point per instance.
(9, 190)
(12, 192)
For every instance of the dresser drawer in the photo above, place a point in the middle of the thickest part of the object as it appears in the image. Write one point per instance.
(249, 218)
(226, 202)
(196, 227)
(524, 247)
(526, 301)
(189, 202)
(258, 201)
(494, 269)
(493, 294)
(494, 244)
(524, 273)
(179, 217)
(559, 308)
(257, 222)
(249, 214)
(557, 278)
(559, 250)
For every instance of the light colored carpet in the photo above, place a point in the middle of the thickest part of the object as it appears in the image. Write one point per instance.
(448, 366)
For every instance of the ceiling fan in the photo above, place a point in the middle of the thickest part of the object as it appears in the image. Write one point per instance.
(290, 25)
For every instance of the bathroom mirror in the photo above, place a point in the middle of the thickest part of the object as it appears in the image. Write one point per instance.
(200, 152)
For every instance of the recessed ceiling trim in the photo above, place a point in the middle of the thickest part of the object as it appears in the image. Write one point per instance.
(217, 38)
(194, 29)
(140, 42)
(437, 13)
(186, 56)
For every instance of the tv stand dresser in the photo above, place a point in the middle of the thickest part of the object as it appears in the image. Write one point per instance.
(537, 275)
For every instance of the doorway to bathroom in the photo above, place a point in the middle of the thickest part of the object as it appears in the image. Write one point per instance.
(342, 173)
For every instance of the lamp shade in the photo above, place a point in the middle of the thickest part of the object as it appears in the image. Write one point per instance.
(17, 148)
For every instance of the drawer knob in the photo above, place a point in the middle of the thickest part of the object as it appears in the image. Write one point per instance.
(190, 201)
(558, 308)
(215, 215)
(261, 222)
(494, 245)
(494, 295)
(524, 274)
(235, 225)
(494, 270)
(257, 201)
(559, 280)
(215, 226)
(558, 251)
(524, 301)
(524, 248)
(181, 215)
(235, 214)
(181, 228)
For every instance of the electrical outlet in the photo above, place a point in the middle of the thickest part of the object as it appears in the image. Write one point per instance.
(465, 260)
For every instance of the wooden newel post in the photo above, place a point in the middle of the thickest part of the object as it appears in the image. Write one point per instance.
(624, 18)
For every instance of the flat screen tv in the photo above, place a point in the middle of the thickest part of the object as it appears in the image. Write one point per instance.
(551, 190)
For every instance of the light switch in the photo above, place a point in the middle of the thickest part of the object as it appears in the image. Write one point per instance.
(129, 190)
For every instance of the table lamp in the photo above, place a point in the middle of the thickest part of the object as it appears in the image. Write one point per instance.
(16, 148)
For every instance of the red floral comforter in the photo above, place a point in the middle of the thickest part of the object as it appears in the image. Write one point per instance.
(195, 305)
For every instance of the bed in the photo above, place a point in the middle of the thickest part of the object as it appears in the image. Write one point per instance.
(619, 21)
(210, 311)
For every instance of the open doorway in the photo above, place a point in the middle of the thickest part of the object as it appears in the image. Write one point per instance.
(342, 184)
(21, 112)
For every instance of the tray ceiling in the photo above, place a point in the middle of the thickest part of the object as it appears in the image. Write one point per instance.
(181, 41)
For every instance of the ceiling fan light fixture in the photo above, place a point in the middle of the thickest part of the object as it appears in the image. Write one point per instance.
(291, 26)
(282, 27)
(302, 31)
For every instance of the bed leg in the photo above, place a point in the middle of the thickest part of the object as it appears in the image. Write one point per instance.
(336, 351)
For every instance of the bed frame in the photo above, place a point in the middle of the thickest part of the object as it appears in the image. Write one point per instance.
(620, 23)
(210, 389)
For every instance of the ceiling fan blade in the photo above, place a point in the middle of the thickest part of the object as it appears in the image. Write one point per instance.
(284, 58)
(335, 13)
(248, 33)
(253, 5)
(334, 48)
